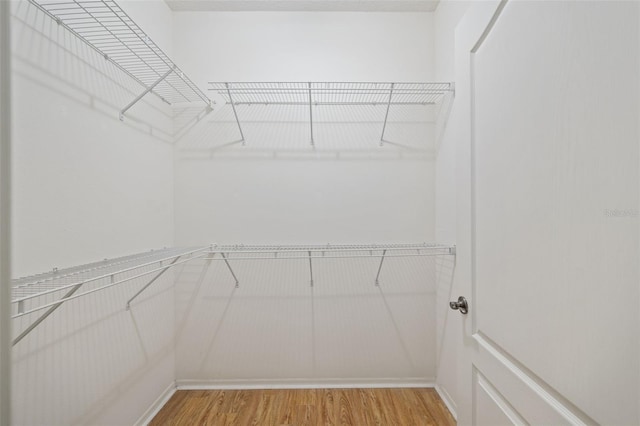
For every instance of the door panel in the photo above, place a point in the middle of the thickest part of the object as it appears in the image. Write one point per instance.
(554, 213)
(490, 407)
(529, 397)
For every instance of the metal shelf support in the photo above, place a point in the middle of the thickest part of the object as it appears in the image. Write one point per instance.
(235, 113)
(230, 269)
(149, 89)
(311, 117)
(310, 269)
(43, 316)
(386, 116)
(150, 282)
(384, 252)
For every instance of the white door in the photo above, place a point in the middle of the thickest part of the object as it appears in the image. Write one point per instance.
(548, 212)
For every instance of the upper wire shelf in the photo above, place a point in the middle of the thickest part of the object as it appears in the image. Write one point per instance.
(106, 28)
(331, 93)
(316, 95)
(339, 250)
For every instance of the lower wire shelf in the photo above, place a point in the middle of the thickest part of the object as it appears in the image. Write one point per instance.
(47, 292)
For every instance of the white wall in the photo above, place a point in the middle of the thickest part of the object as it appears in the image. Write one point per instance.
(278, 190)
(295, 200)
(79, 172)
(299, 46)
(86, 187)
(446, 18)
(275, 329)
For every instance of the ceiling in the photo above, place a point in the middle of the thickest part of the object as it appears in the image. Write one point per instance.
(305, 5)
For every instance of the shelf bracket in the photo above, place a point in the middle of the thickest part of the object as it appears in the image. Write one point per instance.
(311, 116)
(150, 282)
(235, 113)
(384, 252)
(230, 270)
(45, 315)
(384, 126)
(310, 269)
(148, 89)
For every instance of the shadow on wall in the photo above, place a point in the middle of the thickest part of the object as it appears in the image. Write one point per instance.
(56, 62)
(83, 362)
(277, 327)
(334, 132)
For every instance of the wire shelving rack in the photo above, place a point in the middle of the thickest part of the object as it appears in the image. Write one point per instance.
(307, 253)
(47, 292)
(106, 28)
(314, 95)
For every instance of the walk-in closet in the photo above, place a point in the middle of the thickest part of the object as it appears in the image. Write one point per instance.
(274, 212)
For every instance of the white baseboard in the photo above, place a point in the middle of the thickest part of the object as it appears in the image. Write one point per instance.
(187, 384)
(448, 401)
(157, 405)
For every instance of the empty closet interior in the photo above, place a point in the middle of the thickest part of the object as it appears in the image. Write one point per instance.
(236, 195)
(221, 199)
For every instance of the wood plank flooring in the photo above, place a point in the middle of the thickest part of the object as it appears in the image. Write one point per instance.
(358, 407)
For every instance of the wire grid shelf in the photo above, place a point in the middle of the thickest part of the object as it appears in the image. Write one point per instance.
(106, 28)
(331, 93)
(49, 291)
(41, 284)
(232, 253)
(316, 98)
(329, 251)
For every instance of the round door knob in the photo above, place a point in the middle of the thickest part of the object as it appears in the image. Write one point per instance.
(461, 305)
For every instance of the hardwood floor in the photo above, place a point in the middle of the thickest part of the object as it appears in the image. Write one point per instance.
(361, 407)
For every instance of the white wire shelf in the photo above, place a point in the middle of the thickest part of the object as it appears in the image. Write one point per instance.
(315, 95)
(50, 290)
(331, 93)
(308, 253)
(106, 28)
(328, 251)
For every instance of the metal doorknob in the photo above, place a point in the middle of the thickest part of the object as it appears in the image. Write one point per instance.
(460, 305)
